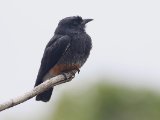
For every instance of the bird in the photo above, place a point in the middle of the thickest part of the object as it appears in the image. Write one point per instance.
(67, 50)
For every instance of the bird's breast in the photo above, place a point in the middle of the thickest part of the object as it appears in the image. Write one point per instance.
(78, 51)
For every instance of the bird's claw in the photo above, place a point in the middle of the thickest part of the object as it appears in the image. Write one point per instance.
(65, 77)
(78, 70)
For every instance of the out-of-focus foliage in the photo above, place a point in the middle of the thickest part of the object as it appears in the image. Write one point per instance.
(104, 102)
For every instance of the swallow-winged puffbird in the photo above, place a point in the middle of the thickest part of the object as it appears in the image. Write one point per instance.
(67, 50)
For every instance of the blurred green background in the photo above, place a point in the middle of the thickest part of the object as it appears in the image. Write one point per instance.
(104, 101)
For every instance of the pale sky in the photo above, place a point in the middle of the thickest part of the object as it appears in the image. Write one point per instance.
(125, 34)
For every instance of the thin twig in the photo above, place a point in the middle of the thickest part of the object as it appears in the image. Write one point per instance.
(38, 89)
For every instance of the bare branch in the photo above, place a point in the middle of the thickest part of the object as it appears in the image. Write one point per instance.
(66, 77)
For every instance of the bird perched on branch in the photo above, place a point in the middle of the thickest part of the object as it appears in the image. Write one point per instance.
(67, 50)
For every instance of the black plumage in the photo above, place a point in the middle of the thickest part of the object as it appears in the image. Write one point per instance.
(70, 45)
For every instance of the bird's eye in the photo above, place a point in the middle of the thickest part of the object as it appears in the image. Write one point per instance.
(75, 23)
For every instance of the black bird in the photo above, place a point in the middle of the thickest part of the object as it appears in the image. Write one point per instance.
(67, 50)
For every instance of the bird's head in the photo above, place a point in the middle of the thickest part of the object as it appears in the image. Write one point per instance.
(72, 25)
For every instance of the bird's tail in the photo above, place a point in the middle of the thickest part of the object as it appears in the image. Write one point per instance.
(45, 96)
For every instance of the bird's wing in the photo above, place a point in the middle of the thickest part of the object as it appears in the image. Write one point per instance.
(53, 52)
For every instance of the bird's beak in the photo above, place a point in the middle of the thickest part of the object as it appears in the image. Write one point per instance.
(85, 21)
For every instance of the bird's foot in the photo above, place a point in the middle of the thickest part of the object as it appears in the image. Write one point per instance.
(68, 76)
(77, 68)
(65, 77)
